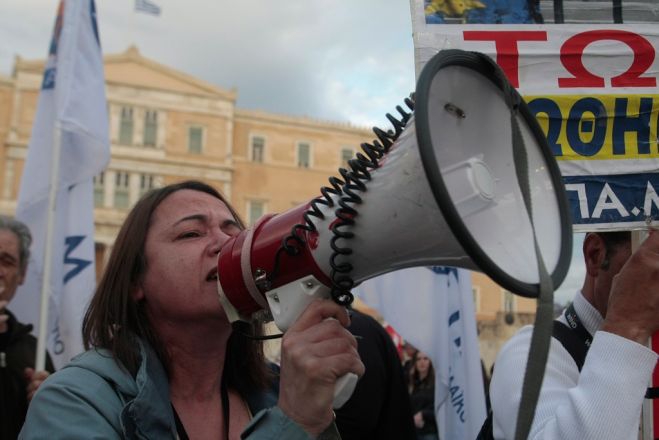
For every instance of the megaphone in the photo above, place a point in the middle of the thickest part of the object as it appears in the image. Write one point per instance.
(465, 178)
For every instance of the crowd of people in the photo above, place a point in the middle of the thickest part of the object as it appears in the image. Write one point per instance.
(163, 361)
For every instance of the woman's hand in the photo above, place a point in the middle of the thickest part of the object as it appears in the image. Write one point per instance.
(316, 351)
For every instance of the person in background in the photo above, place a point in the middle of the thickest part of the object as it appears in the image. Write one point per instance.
(612, 316)
(422, 397)
(163, 359)
(409, 351)
(379, 408)
(18, 380)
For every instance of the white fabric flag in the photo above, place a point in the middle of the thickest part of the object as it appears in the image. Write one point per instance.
(72, 107)
(433, 309)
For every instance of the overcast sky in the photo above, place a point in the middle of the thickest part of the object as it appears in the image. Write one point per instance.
(339, 60)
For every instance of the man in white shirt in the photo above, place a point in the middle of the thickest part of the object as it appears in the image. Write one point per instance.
(618, 306)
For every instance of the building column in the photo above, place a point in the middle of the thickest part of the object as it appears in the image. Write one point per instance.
(228, 158)
(109, 184)
(133, 188)
(160, 130)
(8, 186)
(138, 126)
(115, 115)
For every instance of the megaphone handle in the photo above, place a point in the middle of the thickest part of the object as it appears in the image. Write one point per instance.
(287, 303)
(343, 389)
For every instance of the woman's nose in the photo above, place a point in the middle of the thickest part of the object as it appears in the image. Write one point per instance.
(219, 238)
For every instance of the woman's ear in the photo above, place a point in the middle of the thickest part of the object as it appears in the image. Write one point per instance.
(594, 252)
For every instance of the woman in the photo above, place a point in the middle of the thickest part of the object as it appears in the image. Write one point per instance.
(422, 396)
(162, 359)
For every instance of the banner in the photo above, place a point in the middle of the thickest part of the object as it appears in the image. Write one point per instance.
(71, 111)
(593, 88)
(433, 309)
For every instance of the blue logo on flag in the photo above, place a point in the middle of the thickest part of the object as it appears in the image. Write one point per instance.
(51, 63)
(78, 264)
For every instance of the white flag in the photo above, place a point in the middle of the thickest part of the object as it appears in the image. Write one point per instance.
(433, 309)
(71, 110)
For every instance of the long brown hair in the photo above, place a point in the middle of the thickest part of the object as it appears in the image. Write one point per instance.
(417, 383)
(113, 319)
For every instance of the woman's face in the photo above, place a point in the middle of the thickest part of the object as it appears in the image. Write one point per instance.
(422, 364)
(187, 231)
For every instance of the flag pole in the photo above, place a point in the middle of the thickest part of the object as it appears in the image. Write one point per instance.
(42, 339)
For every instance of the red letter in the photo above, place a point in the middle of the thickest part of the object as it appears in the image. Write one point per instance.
(506, 47)
(572, 52)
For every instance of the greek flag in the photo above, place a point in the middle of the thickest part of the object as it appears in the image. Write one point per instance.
(433, 309)
(71, 118)
(147, 6)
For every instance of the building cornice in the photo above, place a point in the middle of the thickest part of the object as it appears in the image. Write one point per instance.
(261, 116)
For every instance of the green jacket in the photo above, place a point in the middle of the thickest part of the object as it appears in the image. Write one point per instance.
(93, 397)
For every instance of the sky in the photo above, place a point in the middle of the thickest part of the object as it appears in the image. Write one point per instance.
(335, 60)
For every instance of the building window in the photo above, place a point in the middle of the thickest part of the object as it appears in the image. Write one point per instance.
(126, 126)
(121, 196)
(147, 183)
(150, 128)
(99, 191)
(255, 210)
(257, 149)
(195, 139)
(303, 155)
(346, 155)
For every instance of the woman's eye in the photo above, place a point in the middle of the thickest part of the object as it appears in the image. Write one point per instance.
(189, 234)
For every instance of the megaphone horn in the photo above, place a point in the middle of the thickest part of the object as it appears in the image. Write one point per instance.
(466, 180)
(441, 189)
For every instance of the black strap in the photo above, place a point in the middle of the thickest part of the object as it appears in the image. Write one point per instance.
(572, 343)
(573, 336)
(224, 394)
(652, 393)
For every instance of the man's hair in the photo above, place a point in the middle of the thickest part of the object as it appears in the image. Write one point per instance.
(24, 236)
(114, 319)
(613, 241)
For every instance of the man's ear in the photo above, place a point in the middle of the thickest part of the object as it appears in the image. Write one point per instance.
(594, 252)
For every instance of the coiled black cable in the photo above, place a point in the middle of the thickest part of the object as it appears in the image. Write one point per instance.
(347, 192)
(355, 182)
